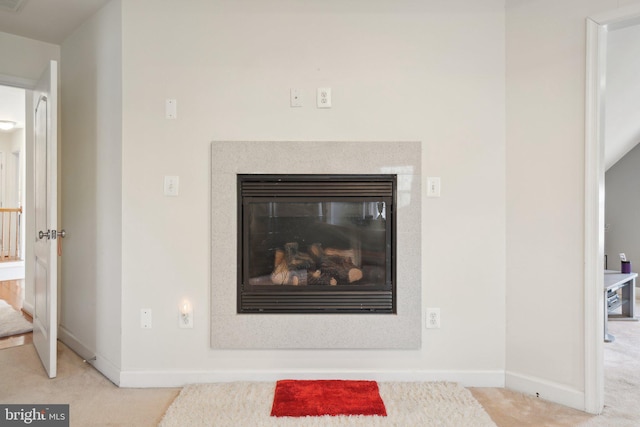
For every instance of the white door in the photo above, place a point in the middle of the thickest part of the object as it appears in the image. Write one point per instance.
(45, 316)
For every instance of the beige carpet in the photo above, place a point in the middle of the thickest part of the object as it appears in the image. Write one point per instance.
(622, 376)
(11, 321)
(622, 391)
(249, 404)
(93, 400)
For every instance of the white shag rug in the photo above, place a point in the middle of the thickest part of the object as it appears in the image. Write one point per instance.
(11, 321)
(249, 404)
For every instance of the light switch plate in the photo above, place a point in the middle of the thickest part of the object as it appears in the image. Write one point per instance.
(295, 98)
(171, 185)
(433, 186)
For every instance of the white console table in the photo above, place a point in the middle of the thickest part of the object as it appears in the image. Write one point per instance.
(614, 280)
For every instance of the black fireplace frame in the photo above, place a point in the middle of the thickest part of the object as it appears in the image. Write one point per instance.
(349, 299)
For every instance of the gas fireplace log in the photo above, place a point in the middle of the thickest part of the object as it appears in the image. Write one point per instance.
(284, 275)
(341, 269)
(328, 267)
(319, 278)
(338, 263)
(343, 253)
(316, 252)
(280, 275)
(297, 260)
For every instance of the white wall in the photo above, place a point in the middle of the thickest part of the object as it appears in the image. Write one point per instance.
(425, 71)
(10, 143)
(19, 184)
(10, 181)
(545, 203)
(91, 70)
(6, 143)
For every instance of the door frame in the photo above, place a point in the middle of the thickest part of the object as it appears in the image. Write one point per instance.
(596, 54)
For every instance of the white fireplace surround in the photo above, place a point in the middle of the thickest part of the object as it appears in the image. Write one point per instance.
(230, 330)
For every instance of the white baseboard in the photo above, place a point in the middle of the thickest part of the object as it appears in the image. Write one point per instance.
(74, 344)
(108, 369)
(547, 390)
(28, 308)
(105, 367)
(145, 379)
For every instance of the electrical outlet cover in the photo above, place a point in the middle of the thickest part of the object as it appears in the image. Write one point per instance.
(185, 320)
(433, 318)
(323, 97)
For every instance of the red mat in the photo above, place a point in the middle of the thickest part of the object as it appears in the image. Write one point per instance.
(294, 398)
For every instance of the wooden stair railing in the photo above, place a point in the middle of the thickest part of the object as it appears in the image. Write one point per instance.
(10, 233)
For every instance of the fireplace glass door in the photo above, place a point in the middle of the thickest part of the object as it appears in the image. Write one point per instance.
(316, 244)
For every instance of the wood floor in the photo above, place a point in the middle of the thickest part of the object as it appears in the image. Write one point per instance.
(12, 291)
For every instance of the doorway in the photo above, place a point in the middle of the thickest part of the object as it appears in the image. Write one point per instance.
(12, 215)
(597, 30)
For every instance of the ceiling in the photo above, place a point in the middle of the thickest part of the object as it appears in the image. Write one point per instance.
(622, 111)
(49, 21)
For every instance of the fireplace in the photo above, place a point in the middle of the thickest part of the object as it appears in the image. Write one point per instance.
(316, 244)
(230, 329)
